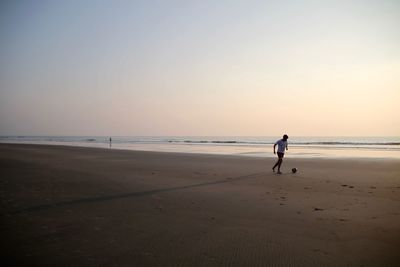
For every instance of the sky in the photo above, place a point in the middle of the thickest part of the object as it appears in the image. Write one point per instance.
(232, 68)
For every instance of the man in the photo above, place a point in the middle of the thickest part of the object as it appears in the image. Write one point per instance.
(282, 146)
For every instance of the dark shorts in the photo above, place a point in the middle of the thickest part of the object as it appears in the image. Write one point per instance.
(280, 154)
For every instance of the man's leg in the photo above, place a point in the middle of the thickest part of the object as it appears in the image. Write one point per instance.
(273, 168)
(276, 164)
(279, 165)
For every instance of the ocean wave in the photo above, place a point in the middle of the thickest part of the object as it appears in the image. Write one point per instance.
(349, 143)
(326, 143)
(234, 141)
(212, 142)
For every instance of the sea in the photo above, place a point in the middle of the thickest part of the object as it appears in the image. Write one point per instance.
(253, 146)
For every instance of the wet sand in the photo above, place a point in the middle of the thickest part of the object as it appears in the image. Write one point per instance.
(71, 206)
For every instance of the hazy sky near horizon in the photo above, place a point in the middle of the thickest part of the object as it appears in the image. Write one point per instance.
(200, 67)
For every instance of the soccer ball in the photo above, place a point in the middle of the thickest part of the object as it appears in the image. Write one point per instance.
(294, 170)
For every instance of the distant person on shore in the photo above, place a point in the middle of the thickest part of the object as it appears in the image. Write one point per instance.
(110, 141)
(282, 146)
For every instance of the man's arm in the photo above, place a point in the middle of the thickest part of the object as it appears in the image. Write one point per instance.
(287, 147)
(274, 149)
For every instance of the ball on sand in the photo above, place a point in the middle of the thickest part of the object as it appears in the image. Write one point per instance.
(294, 170)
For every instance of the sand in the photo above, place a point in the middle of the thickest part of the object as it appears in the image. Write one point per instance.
(71, 206)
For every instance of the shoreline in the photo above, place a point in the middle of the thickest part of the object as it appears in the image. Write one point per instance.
(266, 155)
(69, 206)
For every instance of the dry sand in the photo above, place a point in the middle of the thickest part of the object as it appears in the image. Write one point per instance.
(71, 206)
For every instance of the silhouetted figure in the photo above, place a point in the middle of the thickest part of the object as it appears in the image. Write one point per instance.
(110, 142)
(282, 146)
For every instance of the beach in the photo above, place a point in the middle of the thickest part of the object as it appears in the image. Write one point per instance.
(81, 206)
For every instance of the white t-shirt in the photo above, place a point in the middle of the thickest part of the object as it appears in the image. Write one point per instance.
(281, 145)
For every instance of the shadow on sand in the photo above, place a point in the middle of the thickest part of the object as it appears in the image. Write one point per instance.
(128, 195)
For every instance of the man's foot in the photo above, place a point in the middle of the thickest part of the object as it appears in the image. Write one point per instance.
(279, 172)
(273, 169)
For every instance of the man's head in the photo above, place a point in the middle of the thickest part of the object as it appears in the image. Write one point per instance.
(285, 137)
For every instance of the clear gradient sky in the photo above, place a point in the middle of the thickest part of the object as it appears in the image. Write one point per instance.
(200, 67)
